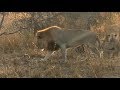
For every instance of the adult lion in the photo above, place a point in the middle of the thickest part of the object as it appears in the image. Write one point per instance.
(54, 37)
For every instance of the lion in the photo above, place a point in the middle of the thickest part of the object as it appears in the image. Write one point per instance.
(54, 38)
(111, 45)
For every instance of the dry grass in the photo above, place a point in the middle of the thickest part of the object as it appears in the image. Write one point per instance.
(19, 59)
(28, 65)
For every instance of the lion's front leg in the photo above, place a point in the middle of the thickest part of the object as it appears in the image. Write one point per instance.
(48, 55)
(64, 52)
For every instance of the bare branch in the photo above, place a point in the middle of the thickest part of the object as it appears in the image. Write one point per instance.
(5, 33)
(12, 32)
(2, 33)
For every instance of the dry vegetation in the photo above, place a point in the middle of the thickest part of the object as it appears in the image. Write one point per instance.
(19, 57)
